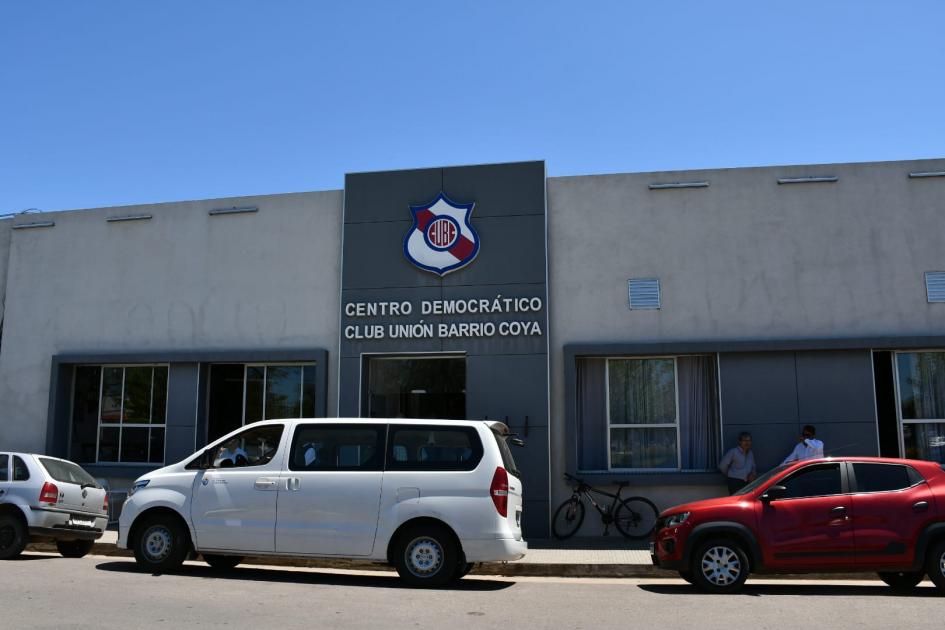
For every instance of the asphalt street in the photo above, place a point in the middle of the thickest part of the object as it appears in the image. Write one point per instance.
(47, 591)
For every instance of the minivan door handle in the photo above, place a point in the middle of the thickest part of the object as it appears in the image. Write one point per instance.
(264, 483)
(920, 506)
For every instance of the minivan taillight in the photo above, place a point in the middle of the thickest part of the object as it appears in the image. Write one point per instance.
(499, 491)
(49, 493)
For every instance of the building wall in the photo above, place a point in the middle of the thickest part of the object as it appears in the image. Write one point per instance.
(180, 281)
(745, 258)
(5, 233)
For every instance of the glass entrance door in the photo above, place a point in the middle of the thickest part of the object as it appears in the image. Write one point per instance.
(414, 387)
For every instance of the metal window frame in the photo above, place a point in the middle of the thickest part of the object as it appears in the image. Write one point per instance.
(662, 425)
(903, 421)
(121, 410)
(299, 364)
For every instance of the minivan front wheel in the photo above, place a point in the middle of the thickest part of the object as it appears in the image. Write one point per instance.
(162, 544)
(719, 565)
(427, 556)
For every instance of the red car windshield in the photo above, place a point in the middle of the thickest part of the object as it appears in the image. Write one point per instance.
(763, 479)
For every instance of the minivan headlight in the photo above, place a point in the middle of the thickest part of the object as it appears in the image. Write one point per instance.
(141, 483)
(677, 519)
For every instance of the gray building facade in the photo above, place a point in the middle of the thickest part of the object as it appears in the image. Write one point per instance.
(627, 326)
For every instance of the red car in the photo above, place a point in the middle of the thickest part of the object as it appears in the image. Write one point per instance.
(820, 515)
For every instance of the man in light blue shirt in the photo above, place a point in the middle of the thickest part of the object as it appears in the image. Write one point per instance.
(738, 464)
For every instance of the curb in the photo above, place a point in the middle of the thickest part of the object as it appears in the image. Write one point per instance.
(504, 569)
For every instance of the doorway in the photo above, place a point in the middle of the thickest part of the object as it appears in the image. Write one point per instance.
(414, 386)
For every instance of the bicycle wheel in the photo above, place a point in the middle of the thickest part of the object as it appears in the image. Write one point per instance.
(636, 517)
(568, 518)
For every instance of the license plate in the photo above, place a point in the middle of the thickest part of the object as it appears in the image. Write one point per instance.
(78, 522)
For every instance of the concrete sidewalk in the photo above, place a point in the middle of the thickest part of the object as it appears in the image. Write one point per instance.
(582, 557)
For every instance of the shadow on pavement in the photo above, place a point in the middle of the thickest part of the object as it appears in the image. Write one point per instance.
(305, 577)
(34, 556)
(805, 590)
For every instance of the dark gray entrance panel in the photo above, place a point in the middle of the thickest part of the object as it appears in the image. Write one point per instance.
(506, 374)
(773, 394)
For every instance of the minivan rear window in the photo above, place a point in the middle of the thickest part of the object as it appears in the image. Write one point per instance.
(418, 447)
(507, 460)
(67, 472)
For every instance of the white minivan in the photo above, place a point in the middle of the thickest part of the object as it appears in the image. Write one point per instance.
(431, 497)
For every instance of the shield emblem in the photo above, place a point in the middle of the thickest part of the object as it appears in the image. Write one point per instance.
(441, 239)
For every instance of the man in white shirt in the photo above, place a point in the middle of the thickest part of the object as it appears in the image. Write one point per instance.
(808, 447)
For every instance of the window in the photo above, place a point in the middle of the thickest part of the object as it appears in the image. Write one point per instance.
(813, 481)
(119, 413)
(67, 472)
(648, 413)
(433, 448)
(884, 477)
(338, 447)
(20, 471)
(253, 447)
(921, 387)
(4, 466)
(415, 387)
(241, 393)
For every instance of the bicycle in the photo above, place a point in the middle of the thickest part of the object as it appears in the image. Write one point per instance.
(634, 517)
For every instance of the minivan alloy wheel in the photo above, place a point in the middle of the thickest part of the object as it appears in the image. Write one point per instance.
(721, 566)
(424, 556)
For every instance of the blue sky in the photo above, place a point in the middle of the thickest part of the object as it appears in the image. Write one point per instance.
(107, 103)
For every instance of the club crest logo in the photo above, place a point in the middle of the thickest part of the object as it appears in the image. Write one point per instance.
(441, 239)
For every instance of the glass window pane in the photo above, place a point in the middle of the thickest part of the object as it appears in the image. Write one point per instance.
(137, 407)
(308, 391)
(881, 477)
(922, 385)
(643, 448)
(283, 392)
(434, 448)
(813, 481)
(20, 471)
(156, 446)
(111, 394)
(159, 406)
(4, 465)
(253, 447)
(924, 441)
(417, 387)
(108, 444)
(334, 447)
(642, 391)
(255, 378)
(134, 444)
(88, 380)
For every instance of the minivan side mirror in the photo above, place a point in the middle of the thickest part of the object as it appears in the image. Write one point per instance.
(773, 493)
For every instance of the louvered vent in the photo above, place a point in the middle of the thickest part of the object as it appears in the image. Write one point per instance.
(935, 285)
(644, 293)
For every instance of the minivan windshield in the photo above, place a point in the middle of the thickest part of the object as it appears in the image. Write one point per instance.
(760, 481)
(507, 460)
(67, 472)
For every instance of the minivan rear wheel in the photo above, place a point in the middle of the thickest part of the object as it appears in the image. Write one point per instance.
(74, 548)
(902, 580)
(13, 536)
(719, 565)
(161, 544)
(427, 556)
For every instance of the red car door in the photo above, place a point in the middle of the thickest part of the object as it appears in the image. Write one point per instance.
(891, 505)
(810, 525)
